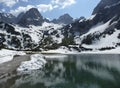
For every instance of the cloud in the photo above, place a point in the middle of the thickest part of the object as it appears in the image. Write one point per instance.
(24, 0)
(40, 7)
(8, 3)
(44, 7)
(63, 3)
(21, 9)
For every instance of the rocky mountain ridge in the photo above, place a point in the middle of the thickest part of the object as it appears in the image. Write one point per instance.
(99, 32)
(64, 19)
(33, 17)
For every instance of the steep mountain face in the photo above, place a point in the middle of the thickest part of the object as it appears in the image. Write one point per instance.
(19, 17)
(64, 19)
(7, 17)
(105, 4)
(99, 32)
(104, 35)
(31, 17)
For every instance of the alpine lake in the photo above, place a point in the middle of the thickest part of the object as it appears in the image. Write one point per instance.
(69, 71)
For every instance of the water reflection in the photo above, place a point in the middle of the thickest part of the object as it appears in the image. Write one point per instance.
(71, 71)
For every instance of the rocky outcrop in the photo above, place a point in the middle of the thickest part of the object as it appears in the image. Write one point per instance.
(7, 18)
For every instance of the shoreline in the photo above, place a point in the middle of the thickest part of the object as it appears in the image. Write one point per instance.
(11, 66)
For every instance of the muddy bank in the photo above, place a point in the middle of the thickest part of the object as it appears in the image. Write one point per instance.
(12, 65)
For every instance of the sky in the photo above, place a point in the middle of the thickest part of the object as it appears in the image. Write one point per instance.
(50, 8)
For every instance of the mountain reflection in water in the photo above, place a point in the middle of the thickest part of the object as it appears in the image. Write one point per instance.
(70, 71)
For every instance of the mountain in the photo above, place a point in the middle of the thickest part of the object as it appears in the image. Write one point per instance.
(19, 17)
(99, 32)
(64, 19)
(7, 17)
(104, 4)
(32, 38)
(105, 32)
(31, 17)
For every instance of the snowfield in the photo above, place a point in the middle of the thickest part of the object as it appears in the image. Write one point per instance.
(7, 55)
(37, 62)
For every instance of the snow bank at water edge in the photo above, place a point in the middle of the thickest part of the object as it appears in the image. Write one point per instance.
(112, 51)
(37, 62)
(7, 55)
(62, 50)
(65, 50)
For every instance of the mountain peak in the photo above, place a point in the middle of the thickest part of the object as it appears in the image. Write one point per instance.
(31, 17)
(65, 19)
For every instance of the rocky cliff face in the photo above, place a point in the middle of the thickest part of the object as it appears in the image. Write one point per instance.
(7, 17)
(31, 17)
(104, 4)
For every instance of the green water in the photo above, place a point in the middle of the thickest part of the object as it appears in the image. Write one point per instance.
(71, 71)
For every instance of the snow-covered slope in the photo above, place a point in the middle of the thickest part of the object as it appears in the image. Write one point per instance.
(101, 37)
(99, 32)
(31, 38)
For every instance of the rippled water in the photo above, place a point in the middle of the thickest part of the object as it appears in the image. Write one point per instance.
(69, 71)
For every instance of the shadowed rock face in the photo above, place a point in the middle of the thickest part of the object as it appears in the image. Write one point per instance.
(7, 18)
(64, 19)
(103, 4)
(31, 17)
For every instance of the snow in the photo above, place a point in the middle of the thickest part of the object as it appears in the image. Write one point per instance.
(81, 20)
(56, 56)
(92, 17)
(62, 50)
(105, 42)
(37, 62)
(36, 32)
(98, 28)
(7, 55)
(109, 6)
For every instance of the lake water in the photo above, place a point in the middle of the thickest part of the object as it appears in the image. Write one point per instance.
(69, 71)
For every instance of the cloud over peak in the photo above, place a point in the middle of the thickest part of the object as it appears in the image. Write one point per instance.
(60, 4)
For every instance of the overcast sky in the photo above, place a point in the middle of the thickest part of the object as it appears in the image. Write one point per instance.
(50, 8)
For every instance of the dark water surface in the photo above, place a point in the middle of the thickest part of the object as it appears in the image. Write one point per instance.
(69, 71)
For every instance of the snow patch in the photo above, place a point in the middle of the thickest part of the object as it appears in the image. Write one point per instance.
(7, 55)
(92, 17)
(37, 62)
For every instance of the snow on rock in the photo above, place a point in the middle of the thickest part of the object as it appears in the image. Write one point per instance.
(99, 28)
(7, 55)
(92, 17)
(105, 42)
(37, 62)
